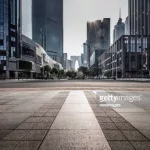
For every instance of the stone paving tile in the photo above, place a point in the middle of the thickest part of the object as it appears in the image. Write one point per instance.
(75, 139)
(12, 120)
(120, 145)
(98, 111)
(39, 114)
(109, 110)
(108, 126)
(51, 114)
(141, 145)
(47, 119)
(75, 121)
(4, 133)
(42, 126)
(103, 119)
(54, 110)
(26, 125)
(8, 145)
(125, 126)
(33, 119)
(116, 115)
(35, 135)
(16, 135)
(28, 145)
(134, 136)
(118, 119)
(100, 114)
(114, 135)
(41, 110)
(76, 108)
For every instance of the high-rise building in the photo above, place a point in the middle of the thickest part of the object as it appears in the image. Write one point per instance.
(119, 29)
(82, 58)
(69, 65)
(98, 34)
(127, 29)
(47, 26)
(139, 17)
(86, 55)
(64, 60)
(10, 31)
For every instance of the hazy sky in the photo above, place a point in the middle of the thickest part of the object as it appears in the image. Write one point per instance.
(76, 15)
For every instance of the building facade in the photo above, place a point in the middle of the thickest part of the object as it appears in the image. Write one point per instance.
(119, 30)
(139, 17)
(10, 33)
(65, 60)
(69, 65)
(129, 56)
(47, 26)
(86, 55)
(94, 62)
(74, 59)
(98, 34)
(127, 29)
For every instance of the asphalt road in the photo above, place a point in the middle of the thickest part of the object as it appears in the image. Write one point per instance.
(77, 85)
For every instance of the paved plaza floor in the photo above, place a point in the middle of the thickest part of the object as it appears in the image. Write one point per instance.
(74, 120)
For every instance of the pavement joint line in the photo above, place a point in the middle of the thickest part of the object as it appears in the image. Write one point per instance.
(89, 95)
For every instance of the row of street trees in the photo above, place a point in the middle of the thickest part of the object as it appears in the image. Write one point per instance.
(54, 72)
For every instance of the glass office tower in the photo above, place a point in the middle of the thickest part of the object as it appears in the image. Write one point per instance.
(10, 31)
(98, 34)
(47, 26)
(139, 17)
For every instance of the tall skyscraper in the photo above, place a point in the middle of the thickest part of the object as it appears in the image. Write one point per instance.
(127, 29)
(86, 55)
(47, 26)
(139, 17)
(98, 34)
(119, 29)
(10, 31)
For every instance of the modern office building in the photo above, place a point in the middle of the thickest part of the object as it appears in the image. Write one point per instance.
(65, 60)
(139, 17)
(74, 59)
(47, 26)
(85, 55)
(129, 56)
(10, 33)
(98, 35)
(69, 65)
(127, 29)
(94, 61)
(82, 58)
(119, 29)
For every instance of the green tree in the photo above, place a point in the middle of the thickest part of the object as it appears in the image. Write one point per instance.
(84, 70)
(55, 71)
(61, 73)
(46, 69)
(71, 74)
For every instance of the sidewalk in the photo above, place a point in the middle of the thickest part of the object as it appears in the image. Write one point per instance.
(69, 120)
(16, 80)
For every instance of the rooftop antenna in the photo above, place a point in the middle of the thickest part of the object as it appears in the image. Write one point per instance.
(120, 13)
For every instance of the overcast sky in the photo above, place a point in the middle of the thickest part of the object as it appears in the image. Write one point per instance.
(76, 15)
